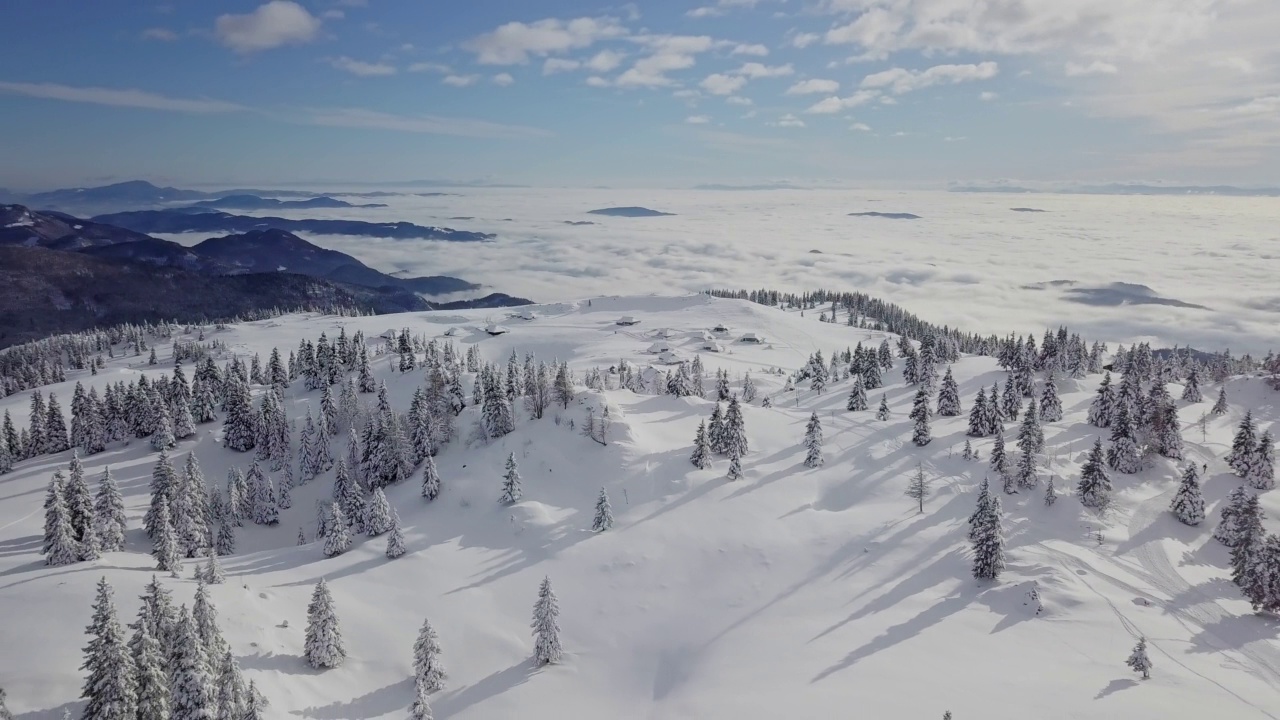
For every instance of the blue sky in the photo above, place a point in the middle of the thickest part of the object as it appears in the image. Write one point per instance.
(566, 92)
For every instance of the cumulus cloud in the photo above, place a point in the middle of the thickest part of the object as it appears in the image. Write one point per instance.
(604, 61)
(426, 124)
(697, 120)
(276, 23)
(432, 67)
(756, 50)
(159, 33)
(514, 42)
(1097, 67)
(804, 40)
(363, 69)
(719, 84)
(461, 80)
(788, 121)
(738, 100)
(755, 70)
(667, 53)
(502, 79)
(860, 127)
(558, 65)
(596, 81)
(813, 86)
(902, 80)
(835, 104)
(987, 95)
(118, 98)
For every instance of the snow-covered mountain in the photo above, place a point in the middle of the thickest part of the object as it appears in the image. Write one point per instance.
(793, 591)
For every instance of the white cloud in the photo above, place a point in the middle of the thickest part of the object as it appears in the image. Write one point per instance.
(804, 40)
(788, 120)
(901, 80)
(738, 100)
(813, 85)
(159, 33)
(875, 30)
(427, 124)
(363, 69)
(277, 23)
(835, 104)
(1258, 106)
(697, 120)
(1236, 63)
(1097, 67)
(667, 53)
(596, 81)
(118, 98)
(748, 114)
(860, 127)
(333, 15)
(705, 11)
(686, 93)
(604, 61)
(899, 134)
(430, 67)
(503, 79)
(987, 95)
(949, 138)
(719, 84)
(514, 42)
(461, 80)
(756, 50)
(557, 65)
(755, 70)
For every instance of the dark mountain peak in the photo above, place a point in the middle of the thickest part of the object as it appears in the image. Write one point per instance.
(20, 225)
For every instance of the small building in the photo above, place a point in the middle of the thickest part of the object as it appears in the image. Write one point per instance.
(752, 338)
(664, 333)
(720, 328)
(628, 320)
(660, 347)
(712, 346)
(526, 315)
(389, 334)
(669, 358)
(496, 329)
(451, 332)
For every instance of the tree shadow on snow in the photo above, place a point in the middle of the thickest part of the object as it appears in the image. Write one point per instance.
(277, 662)
(383, 701)
(453, 702)
(1115, 686)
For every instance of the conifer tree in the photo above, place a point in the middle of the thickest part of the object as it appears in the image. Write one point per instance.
(921, 413)
(1262, 466)
(857, 395)
(428, 670)
(4, 709)
(239, 428)
(813, 442)
(430, 479)
(1138, 660)
(1227, 531)
(395, 538)
(949, 396)
(735, 429)
(1188, 503)
(163, 491)
(165, 549)
(978, 415)
(232, 695)
(988, 542)
(1012, 398)
(1243, 446)
(79, 500)
(213, 572)
(715, 431)
(60, 546)
(882, 412)
(337, 536)
(1123, 456)
(56, 438)
(1250, 538)
(205, 617)
(1220, 406)
(226, 541)
(184, 425)
(918, 487)
(511, 490)
(1094, 487)
(701, 457)
(999, 463)
(604, 513)
(323, 641)
(967, 453)
(984, 498)
(1191, 389)
(378, 514)
(109, 514)
(1168, 432)
(110, 687)
(190, 684)
(6, 458)
(349, 497)
(152, 680)
(735, 463)
(1050, 403)
(1050, 493)
(546, 626)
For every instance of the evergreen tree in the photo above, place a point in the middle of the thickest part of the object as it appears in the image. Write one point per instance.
(1243, 446)
(984, 499)
(1250, 538)
(1050, 493)
(152, 680)
(239, 428)
(56, 438)
(213, 572)
(165, 549)
(184, 425)
(988, 541)
(1168, 433)
(701, 457)
(323, 641)
(735, 463)
(735, 429)
(604, 513)
(999, 463)
(978, 415)
(918, 487)
(857, 395)
(1227, 531)
(949, 396)
(1188, 503)
(226, 541)
(349, 497)
(1262, 466)
(378, 514)
(921, 413)
(189, 510)
(232, 696)
(79, 500)
(716, 433)
(190, 684)
(1220, 406)
(164, 487)
(430, 479)
(511, 490)
(109, 514)
(546, 626)
(813, 442)
(1012, 398)
(4, 709)
(337, 536)
(1050, 403)
(1094, 487)
(1138, 660)
(1191, 390)
(395, 538)
(882, 412)
(60, 546)
(428, 670)
(205, 617)
(1123, 456)
(967, 453)
(110, 688)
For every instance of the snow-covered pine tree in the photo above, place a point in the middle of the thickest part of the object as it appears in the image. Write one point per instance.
(984, 498)
(60, 543)
(395, 538)
(735, 429)
(604, 513)
(735, 463)
(563, 386)
(882, 412)
(701, 457)
(1188, 503)
(1050, 403)
(1220, 406)
(349, 496)
(232, 695)
(511, 490)
(920, 413)
(430, 479)
(428, 670)
(110, 686)
(857, 395)
(949, 396)
(813, 442)
(205, 617)
(1168, 432)
(1191, 389)
(715, 431)
(1138, 660)
(262, 496)
(213, 572)
(189, 510)
(79, 500)
(323, 640)
(109, 514)
(1227, 531)
(1094, 487)
(999, 463)
(4, 708)
(978, 415)
(1123, 455)
(1050, 493)
(164, 488)
(967, 453)
(749, 390)
(151, 677)
(378, 514)
(546, 626)
(988, 542)
(1011, 399)
(1250, 537)
(239, 427)
(190, 683)
(56, 439)
(337, 535)
(165, 548)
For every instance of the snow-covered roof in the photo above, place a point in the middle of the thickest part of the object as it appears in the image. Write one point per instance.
(664, 333)
(451, 332)
(526, 315)
(712, 347)
(495, 329)
(751, 337)
(668, 358)
(627, 320)
(389, 334)
(721, 328)
(660, 346)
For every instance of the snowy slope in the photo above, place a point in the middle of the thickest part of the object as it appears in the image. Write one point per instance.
(792, 592)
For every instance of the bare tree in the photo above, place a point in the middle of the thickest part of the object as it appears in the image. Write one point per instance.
(918, 487)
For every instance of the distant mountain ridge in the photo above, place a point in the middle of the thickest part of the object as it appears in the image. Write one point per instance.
(1126, 189)
(255, 202)
(183, 220)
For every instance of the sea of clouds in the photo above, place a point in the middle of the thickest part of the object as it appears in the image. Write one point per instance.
(969, 261)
